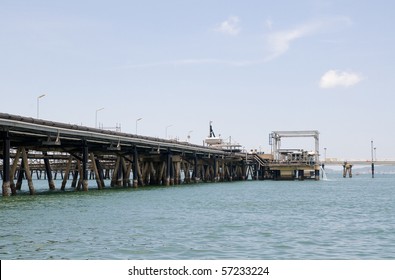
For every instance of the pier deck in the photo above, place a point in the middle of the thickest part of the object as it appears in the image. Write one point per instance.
(29, 144)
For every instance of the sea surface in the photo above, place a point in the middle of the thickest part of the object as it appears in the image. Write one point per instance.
(295, 220)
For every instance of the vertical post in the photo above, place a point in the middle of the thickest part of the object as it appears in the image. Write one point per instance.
(66, 173)
(27, 171)
(84, 165)
(75, 174)
(6, 164)
(38, 104)
(215, 169)
(371, 143)
(195, 169)
(48, 170)
(100, 171)
(135, 168)
(96, 171)
(13, 170)
(169, 169)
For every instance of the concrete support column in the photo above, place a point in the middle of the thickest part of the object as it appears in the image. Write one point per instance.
(66, 174)
(215, 169)
(195, 169)
(48, 170)
(6, 165)
(84, 166)
(169, 169)
(135, 168)
(27, 171)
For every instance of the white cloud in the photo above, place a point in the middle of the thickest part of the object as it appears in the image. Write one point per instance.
(231, 26)
(336, 78)
(279, 42)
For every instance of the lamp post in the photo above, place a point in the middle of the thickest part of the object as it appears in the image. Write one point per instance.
(170, 125)
(38, 104)
(139, 119)
(371, 143)
(189, 135)
(98, 110)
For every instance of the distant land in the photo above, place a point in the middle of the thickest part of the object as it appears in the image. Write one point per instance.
(378, 169)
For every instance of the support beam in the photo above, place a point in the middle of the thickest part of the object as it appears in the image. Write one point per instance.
(195, 169)
(6, 165)
(66, 174)
(115, 174)
(95, 170)
(135, 168)
(75, 174)
(48, 171)
(100, 171)
(169, 168)
(84, 165)
(13, 169)
(27, 172)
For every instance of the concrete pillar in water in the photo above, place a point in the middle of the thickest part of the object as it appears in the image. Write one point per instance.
(135, 168)
(27, 171)
(48, 171)
(347, 169)
(85, 166)
(13, 170)
(169, 169)
(195, 169)
(215, 169)
(66, 174)
(6, 165)
(372, 170)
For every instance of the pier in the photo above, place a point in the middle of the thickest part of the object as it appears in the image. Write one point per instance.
(76, 154)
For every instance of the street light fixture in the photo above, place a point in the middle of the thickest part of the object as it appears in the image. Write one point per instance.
(139, 119)
(38, 104)
(98, 110)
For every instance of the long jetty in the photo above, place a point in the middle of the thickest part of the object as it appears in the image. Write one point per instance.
(32, 145)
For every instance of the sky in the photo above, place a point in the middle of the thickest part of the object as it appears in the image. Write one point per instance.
(251, 67)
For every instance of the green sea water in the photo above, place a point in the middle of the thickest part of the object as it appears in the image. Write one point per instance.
(333, 219)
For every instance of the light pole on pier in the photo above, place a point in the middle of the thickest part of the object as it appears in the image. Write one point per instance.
(38, 104)
(139, 119)
(98, 110)
(371, 148)
(189, 135)
(170, 125)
